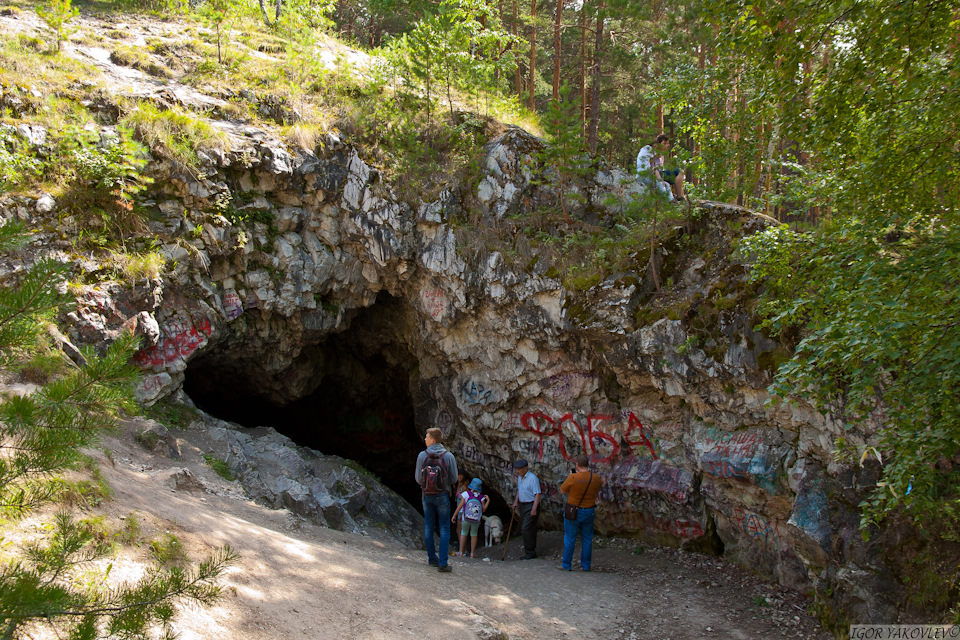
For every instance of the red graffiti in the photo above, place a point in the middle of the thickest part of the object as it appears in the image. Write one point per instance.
(433, 300)
(152, 383)
(536, 422)
(633, 424)
(601, 446)
(180, 344)
(635, 521)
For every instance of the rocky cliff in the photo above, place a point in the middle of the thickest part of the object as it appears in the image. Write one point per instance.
(302, 293)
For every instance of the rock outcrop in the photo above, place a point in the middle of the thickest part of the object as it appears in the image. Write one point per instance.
(291, 269)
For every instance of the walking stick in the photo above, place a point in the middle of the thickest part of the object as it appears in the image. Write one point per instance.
(509, 529)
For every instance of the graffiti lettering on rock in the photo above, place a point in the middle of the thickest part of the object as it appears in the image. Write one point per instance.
(650, 476)
(444, 420)
(469, 453)
(232, 305)
(474, 393)
(152, 383)
(435, 303)
(636, 521)
(758, 528)
(739, 455)
(585, 436)
(181, 340)
(567, 385)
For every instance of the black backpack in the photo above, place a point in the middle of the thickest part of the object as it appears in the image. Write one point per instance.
(433, 475)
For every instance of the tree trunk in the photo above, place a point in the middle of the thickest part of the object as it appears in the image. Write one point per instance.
(518, 83)
(556, 50)
(657, 64)
(533, 53)
(263, 12)
(702, 63)
(583, 70)
(595, 87)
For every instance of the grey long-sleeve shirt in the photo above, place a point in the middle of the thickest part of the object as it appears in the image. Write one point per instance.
(448, 460)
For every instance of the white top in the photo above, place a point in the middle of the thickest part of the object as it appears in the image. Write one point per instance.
(647, 160)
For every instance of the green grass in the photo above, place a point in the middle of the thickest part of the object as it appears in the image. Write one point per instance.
(168, 551)
(175, 134)
(171, 414)
(136, 59)
(139, 266)
(220, 467)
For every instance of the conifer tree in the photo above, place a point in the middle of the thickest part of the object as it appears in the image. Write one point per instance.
(57, 14)
(41, 435)
(565, 156)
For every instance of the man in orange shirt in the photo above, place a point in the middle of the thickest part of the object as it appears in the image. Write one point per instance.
(581, 489)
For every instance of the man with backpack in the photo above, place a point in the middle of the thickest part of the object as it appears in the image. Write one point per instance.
(472, 504)
(435, 473)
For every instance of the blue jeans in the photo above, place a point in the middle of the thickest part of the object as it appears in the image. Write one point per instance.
(584, 526)
(437, 508)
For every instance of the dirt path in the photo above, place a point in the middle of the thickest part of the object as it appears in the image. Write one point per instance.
(295, 580)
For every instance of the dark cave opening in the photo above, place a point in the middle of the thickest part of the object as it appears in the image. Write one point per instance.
(362, 409)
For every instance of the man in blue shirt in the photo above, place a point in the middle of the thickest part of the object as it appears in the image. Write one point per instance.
(528, 500)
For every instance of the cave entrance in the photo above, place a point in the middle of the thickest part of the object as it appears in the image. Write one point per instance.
(362, 409)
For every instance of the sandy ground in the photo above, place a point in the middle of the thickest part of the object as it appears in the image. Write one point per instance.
(295, 580)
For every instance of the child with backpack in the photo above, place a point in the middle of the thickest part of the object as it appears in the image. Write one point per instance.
(473, 504)
(461, 486)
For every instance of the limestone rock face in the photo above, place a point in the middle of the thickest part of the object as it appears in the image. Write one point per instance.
(289, 271)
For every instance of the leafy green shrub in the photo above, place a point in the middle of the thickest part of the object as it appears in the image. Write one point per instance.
(113, 166)
(130, 532)
(168, 550)
(57, 14)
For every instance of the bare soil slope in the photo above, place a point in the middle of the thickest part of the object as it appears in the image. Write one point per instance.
(295, 580)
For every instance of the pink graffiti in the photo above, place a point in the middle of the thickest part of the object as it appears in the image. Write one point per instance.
(180, 343)
(435, 303)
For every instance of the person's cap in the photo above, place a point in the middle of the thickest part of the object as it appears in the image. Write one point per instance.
(475, 484)
(520, 464)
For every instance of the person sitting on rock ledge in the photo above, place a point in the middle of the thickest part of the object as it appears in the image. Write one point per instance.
(650, 169)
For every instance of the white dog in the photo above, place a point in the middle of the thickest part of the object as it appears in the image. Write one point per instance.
(494, 528)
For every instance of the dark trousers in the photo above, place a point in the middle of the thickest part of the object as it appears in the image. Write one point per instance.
(528, 524)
